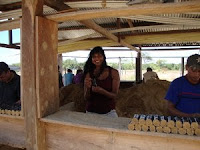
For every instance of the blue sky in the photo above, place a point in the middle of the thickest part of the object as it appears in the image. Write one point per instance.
(8, 55)
(11, 56)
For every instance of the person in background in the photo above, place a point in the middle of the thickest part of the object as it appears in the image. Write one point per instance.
(68, 77)
(78, 77)
(183, 95)
(149, 75)
(60, 80)
(101, 84)
(9, 87)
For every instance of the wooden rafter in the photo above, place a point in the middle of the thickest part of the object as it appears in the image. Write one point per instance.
(166, 20)
(94, 26)
(157, 27)
(143, 9)
(178, 36)
(89, 23)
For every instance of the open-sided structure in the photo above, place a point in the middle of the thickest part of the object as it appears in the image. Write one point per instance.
(50, 27)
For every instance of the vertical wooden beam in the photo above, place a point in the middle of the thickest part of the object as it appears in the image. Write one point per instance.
(118, 27)
(182, 66)
(35, 137)
(120, 66)
(10, 37)
(138, 67)
(47, 88)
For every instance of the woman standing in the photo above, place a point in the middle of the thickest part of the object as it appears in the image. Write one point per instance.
(101, 84)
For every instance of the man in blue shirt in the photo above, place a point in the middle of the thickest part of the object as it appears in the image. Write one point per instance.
(183, 95)
(9, 87)
(68, 77)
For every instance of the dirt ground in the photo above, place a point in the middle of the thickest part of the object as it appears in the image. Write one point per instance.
(144, 98)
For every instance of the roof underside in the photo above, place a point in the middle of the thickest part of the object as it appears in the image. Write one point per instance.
(83, 24)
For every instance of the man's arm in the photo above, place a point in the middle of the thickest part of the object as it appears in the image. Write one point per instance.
(175, 112)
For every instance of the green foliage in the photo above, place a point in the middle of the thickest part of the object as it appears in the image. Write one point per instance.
(126, 64)
(72, 64)
(146, 58)
(114, 65)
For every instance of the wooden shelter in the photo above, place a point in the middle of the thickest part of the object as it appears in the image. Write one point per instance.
(51, 27)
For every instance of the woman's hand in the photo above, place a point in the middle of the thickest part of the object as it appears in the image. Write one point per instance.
(97, 89)
(88, 83)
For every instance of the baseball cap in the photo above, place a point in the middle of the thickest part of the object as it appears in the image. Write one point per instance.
(3, 67)
(194, 61)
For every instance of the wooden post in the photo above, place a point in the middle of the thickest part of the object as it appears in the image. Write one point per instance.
(120, 66)
(39, 84)
(138, 68)
(182, 66)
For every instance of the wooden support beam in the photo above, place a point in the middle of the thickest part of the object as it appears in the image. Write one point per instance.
(7, 7)
(118, 27)
(9, 25)
(138, 70)
(46, 67)
(94, 26)
(130, 23)
(35, 137)
(57, 4)
(166, 20)
(9, 46)
(157, 27)
(143, 9)
(137, 39)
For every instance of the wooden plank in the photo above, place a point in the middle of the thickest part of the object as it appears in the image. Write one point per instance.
(138, 70)
(73, 130)
(91, 24)
(9, 25)
(137, 39)
(35, 139)
(69, 137)
(46, 67)
(87, 44)
(140, 9)
(153, 28)
(167, 20)
(12, 131)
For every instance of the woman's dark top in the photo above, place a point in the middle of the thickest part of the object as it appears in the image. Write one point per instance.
(99, 103)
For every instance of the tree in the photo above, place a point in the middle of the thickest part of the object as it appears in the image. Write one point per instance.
(146, 57)
(72, 64)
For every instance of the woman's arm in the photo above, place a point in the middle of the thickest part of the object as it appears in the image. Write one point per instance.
(115, 86)
(87, 86)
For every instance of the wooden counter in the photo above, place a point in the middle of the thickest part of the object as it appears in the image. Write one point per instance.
(12, 131)
(74, 130)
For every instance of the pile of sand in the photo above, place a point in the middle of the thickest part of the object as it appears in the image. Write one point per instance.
(145, 98)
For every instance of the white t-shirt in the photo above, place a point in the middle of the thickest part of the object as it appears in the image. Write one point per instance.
(150, 75)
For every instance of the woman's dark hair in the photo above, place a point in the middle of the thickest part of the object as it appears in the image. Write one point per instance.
(89, 66)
